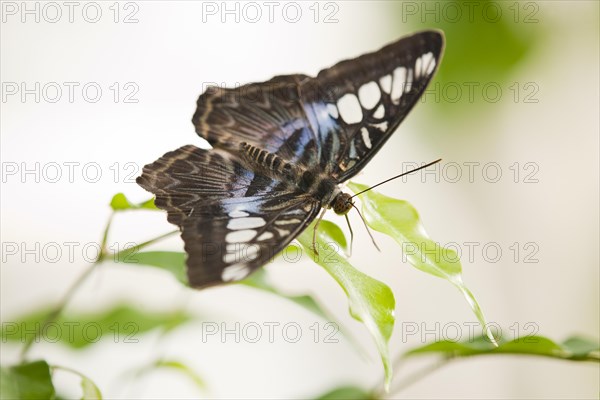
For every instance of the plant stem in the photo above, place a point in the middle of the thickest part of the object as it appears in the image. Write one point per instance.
(417, 376)
(53, 315)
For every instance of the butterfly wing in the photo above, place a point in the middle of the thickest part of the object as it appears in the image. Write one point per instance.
(268, 115)
(361, 102)
(333, 123)
(232, 220)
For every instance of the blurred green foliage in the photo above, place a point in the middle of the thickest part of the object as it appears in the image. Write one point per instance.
(486, 43)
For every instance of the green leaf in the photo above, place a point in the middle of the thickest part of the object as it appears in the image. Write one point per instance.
(176, 366)
(170, 261)
(182, 368)
(574, 348)
(120, 202)
(90, 390)
(400, 220)
(581, 347)
(457, 90)
(347, 393)
(333, 231)
(122, 323)
(174, 263)
(258, 280)
(26, 381)
(371, 302)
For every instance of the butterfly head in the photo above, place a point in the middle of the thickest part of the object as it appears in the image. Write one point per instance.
(342, 203)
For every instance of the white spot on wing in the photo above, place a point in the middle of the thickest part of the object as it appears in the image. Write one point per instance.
(245, 223)
(332, 110)
(240, 252)
(409, 81)
(398, 84)
(349, 108)
(380, 112)
(240, 236)
(382, 126)
(283, 232)
(287, 221)
(365, 137)
(235, 272)
(418, 67)
(429, 63)
(352, 153)
(251, 252)
(265, 236)
(369, 95)
(238, 214)
(386, 83)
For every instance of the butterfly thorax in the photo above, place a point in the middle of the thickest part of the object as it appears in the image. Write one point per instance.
(319, 185)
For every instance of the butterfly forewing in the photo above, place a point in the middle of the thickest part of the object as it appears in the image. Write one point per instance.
(362, 101)
(235, 209)
(269, 115)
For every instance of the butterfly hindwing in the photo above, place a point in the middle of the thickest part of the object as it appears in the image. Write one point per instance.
(232, 220)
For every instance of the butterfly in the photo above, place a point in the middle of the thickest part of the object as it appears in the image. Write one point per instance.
(280, 150)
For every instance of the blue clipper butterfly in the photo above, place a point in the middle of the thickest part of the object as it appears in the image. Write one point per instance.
(279, 151)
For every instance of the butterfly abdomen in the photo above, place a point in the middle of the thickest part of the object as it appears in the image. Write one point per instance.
(320, 186)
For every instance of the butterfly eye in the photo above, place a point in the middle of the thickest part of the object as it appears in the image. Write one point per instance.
(342, 204)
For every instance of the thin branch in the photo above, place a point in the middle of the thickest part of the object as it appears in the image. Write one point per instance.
(53, 315)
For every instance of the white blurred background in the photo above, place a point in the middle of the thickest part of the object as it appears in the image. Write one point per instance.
(166, 59)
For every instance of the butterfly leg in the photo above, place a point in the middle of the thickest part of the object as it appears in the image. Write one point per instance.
(367, 226)
(351, 234)
(314, 242)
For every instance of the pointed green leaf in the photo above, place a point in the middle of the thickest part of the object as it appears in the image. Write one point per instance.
(90, 390)
(582, 347)
(182, 368)
(170, 261)
(26, 381)
(174, 365)
(333, 231)
(120, 202)
(258, 280)
(371, 302)
(400, 220)
(573, 348)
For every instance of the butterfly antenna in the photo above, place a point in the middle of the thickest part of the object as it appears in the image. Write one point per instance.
(366, 226)
(398, 176)
(351, 234)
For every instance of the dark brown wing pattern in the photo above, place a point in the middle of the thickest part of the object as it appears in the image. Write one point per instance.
(234, 217)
